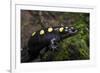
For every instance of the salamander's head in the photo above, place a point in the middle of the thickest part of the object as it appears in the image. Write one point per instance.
(67, 31)
(71, 30)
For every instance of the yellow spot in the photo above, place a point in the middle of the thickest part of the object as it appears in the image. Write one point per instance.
(50, 29)
(33, 33)
(61, 29)
(42, 32)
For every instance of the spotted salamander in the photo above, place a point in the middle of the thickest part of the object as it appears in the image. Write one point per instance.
(48, 39)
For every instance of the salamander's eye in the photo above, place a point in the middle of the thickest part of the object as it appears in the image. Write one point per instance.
(42, 32)
(50, 29)
(71, 27)
(33, 33)
(61, 29)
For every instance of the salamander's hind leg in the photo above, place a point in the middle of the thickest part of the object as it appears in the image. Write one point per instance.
(42, 52)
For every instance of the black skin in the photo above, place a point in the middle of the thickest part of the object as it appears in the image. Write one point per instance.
(48, 41)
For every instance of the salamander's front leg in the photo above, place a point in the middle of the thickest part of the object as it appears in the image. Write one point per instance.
(53, 44)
